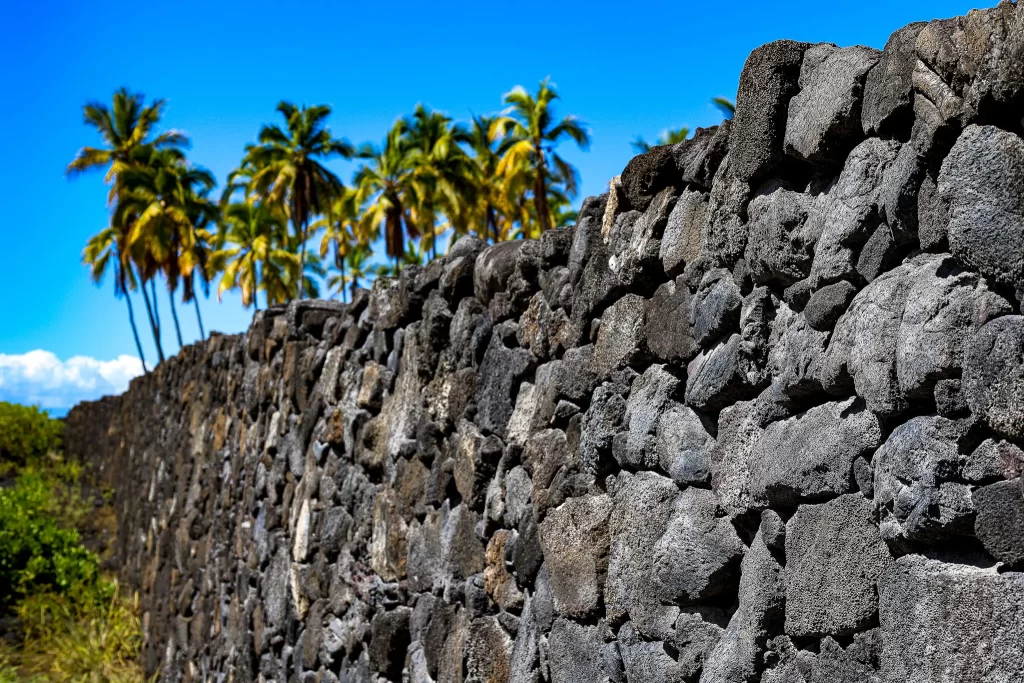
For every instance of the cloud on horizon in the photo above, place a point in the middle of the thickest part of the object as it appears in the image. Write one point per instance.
(40, 378)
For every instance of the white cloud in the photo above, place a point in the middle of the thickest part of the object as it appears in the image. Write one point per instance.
(40, 378)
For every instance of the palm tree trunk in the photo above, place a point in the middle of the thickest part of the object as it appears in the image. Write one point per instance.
(135, 331)
(156, 308)
(153, 324)
(302, 260)
(199, 318)
(174, 314)
(540, 194)
(492, 224)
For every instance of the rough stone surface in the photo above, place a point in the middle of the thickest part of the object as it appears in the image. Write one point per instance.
(980, 181)
(769, 80)
(834, 558)
(947, 621)
(757, 417)
(824, 117)
(994, 375)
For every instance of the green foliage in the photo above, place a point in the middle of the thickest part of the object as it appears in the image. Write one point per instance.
(27, 433)
(67, 641)
(37, 554)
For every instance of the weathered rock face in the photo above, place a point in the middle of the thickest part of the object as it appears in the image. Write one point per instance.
(757, 417)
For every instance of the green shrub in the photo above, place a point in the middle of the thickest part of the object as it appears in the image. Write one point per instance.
(37, 554)
(27, 433)
(67, 641)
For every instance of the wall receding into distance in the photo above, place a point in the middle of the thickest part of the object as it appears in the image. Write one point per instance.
(757, 417)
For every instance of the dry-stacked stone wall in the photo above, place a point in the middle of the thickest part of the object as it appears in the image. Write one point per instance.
(757, 417)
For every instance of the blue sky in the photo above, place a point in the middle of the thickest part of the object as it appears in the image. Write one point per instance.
(625, 69)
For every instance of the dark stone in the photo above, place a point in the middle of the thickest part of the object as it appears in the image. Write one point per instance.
(1000, 521)
(769, 80)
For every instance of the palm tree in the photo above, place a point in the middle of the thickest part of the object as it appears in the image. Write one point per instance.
(352, 269)
(251, 253)
(104, 250)
(127, 129)
(411, 256)
(669, 137)
(489, 191)
(388, 188)
(530, 140)
(344, 230)
(445, 173)
(165, 197)
(727, 106)
(285, 167)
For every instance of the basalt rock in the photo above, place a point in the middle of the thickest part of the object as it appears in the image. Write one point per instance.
(757, 417)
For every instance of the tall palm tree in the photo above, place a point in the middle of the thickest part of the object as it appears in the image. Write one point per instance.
(388, 188)
(286, 168)
(531, 135)
(165, 198)
(669, 137)
(104, 250)
(445, 173)
(252, 253)
(343, 230)
(489, 191)
(352, 270)
(126, 128)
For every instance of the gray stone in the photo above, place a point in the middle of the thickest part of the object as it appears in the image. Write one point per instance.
(834, 558)
(907, 330)
(698, 157)
(715, 308)
(722, 375)
(796, 353)
(493, 268)
(667, 326)
(779, 249)
(1000, 522)
(648, 661)
(759, 615)
(950, 622)
(992, 461)
(994, 375)
(683, 445)
(828, 303)
(770, 78)
(981, 180)
(575, 540)
(849, 213)
(916, 495)
(648, 174)
(810, 457)
(684, 232)
(389, 641)
(888, 90)
(583, 653)
(824, 120)
(739, 429)
(620, 338)
(501, 371)
(644, 504)
(648, 398)
(698, 556)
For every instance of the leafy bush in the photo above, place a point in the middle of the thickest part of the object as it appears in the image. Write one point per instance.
(36, 553)
(27, 433)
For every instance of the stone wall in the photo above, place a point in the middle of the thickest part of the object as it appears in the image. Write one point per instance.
(756, 417)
